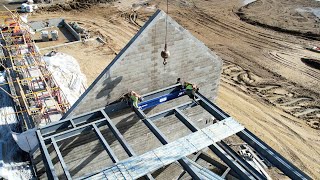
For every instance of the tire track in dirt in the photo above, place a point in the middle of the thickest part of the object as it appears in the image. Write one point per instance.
(277, 93)
(276, 56)
(237, 30)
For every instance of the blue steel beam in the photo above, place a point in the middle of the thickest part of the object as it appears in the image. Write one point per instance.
(105, 144)
(63, 164)
(232, 161)
(272, 156)
(171, 111)
(145, 104)
(51, 173)
(161, 92)
(153, 128)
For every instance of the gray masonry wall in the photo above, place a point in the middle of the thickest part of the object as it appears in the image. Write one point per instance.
(139, 66)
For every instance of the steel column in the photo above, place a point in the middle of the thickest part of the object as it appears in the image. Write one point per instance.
(105, 144)
(272, 156)
(63, 164)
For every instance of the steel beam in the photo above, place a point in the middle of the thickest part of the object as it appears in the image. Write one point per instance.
(118, 135)
(121, 139)
(185, 120)
(65, 123)
(63, 164)
(80, 119)
(211, 108)
(217, 164)
(216, 149)
(75, 131)
(272, 156)
(230, 162)
(161, 137)
(207, 174)
(90, 116)
(241, 161)
(72, 123)
(51, 173)
(105, 144)
(171, 111)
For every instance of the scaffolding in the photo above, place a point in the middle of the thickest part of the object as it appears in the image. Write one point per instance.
(38, 99)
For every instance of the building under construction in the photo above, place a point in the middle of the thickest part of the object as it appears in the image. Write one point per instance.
(167, 136)
(38, 99)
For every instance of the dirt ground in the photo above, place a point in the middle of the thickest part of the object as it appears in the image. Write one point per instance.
(264, 83)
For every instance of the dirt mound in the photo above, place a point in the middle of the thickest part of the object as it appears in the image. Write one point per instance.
(293, 17)
(74, 5)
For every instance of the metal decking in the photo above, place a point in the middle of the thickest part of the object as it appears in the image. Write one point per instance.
(138, 166)
(177, 151)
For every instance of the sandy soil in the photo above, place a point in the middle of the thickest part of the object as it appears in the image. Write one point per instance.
(264, 84)
(293, 16)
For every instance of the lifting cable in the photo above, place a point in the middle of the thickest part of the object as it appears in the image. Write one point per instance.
(165, 53)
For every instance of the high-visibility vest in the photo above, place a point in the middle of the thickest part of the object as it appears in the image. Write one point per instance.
(189, 87)
(134, 98)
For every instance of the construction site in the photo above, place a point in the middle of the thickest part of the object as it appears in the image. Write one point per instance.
(159, 90)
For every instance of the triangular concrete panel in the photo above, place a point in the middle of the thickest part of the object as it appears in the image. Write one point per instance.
(139, 65)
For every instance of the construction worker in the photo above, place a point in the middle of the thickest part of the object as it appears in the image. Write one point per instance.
(135, 97)
(191, 89)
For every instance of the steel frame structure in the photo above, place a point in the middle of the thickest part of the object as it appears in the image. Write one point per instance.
(91, 121)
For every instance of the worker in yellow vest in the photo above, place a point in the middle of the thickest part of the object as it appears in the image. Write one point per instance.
(191, 89)
(135, 97)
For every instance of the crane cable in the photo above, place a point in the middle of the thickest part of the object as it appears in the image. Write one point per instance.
(165, 53)
(166, 26)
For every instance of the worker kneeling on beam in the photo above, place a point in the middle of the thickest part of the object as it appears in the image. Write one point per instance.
(135, 97)
(191, 89)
